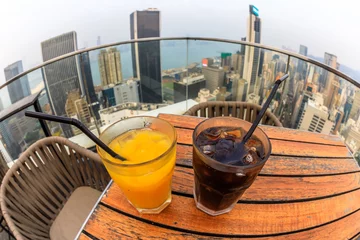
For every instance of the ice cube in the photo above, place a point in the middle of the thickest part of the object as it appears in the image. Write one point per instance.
(234, 132)
(213, 133)
(251, 158)
(208, 149)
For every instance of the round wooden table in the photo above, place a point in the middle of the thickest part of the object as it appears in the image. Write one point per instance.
(308, 189)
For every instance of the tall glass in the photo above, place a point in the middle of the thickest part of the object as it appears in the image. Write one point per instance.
(146, 182)
(219, 186)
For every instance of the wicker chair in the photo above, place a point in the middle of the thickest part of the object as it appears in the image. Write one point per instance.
(242, 110)
(51, 189)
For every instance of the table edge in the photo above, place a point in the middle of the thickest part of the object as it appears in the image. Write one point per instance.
(93, 209)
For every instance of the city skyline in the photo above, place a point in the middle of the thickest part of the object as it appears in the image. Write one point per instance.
(271, 34)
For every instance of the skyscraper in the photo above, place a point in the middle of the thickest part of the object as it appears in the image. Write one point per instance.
(98, 41)
(146, 55)
(252, 55)
(302, 66)
(238, 63)
(88, 83)
(333, 94)
(110, 66)
(355, 109)
(328, 77)
(347, 109)
(214, 77)
(61, 76)
(18, 89)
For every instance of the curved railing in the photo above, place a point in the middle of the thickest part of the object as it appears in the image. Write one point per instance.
(90, 84)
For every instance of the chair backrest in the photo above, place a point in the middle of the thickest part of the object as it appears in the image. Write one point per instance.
(37, 186)
(242, 110)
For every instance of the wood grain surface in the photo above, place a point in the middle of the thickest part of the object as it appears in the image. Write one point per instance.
(308, 189)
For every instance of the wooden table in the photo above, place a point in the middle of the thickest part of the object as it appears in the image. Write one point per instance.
(308, 189)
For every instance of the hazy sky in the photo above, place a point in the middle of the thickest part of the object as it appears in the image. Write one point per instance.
(330, 26)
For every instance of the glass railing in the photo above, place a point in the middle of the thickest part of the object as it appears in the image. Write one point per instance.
(102, 85)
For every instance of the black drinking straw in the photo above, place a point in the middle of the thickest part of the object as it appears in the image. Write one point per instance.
(77, 124)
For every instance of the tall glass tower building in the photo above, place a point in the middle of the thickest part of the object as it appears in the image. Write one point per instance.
(18, 89)
(61, 76)
(252, 55)
(146, 55)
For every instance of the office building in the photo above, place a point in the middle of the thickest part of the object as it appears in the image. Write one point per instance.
(352, 138)
(355, 109)
(226, 61)
(302, 66)
(337, 118)
(110, 66)
(146, 55)
(20, 88)
(347, 109)
(238, 87)
(252, 55)
(188, 88)
(307, 95)
(126, 92)
(121, 93)
(214, 77)
(77, 107)
(88, 83)
(328, 77)
(238, 63)
(315, 118)
(207, 62)
(333, 95)
(7, 138)
(61, 76)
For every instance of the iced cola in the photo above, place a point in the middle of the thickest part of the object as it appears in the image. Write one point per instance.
(222, 173)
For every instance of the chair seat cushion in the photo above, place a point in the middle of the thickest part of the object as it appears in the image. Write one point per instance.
(74, 213)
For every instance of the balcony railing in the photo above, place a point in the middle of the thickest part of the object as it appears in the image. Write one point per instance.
(106, 83)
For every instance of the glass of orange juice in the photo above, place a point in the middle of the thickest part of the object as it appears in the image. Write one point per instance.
(149, 146)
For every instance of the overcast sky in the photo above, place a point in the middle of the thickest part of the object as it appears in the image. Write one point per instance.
(330, 26)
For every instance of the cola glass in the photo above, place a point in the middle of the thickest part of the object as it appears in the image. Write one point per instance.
(219, 181)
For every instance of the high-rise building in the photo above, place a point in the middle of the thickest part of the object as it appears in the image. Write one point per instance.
(226, 61)
(355, 109)
(252, 55)
(239, 89)
(19, 88)
(238, 63)
(88, 83)
(61, 76)
(347, 109)
(214, 77)
(98, 41)
(192, 85)
(146, 55)
(302, 66)
(328, 77)
(333, 94)
(338, 117)
(121, 93)
(7, 138)
(77, 107)
(315, 118)
(110, 66)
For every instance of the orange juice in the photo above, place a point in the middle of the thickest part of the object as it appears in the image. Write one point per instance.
(150, 160)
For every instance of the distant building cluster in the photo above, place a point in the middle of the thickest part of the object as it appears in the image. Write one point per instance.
(311, 99)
